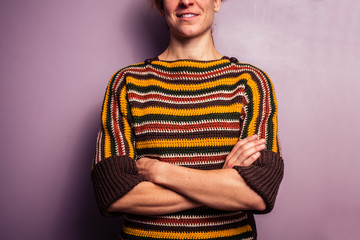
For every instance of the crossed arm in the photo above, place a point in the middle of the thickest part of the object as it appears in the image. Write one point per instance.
(170, 188)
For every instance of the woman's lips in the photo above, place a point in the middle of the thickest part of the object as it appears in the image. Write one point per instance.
(187, 15)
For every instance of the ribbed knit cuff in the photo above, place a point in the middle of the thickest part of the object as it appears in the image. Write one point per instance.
(264, 177)
(112, 178)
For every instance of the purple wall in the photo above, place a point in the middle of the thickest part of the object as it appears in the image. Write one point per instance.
(56, 60)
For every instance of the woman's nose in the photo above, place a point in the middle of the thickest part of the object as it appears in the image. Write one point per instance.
(186, 3)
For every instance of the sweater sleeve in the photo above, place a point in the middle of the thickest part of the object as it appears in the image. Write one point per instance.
(259, 116)
(114, 171)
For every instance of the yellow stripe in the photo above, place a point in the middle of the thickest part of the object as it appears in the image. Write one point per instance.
(185, 87)
(107, 143)
(138, 112)
(274, 121)
(189, 63)
(275, 140)
(187, 235)
(207, 142)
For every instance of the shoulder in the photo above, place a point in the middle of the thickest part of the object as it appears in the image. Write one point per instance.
(250, 68)
(119, 77)
(131, 68)
(253, 74)
(257, 82)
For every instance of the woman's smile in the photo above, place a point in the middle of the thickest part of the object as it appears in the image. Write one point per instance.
(187, 15)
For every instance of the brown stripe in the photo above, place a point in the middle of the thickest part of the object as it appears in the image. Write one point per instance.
(188, 135)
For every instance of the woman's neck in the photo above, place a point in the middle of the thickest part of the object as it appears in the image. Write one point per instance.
(199, 48)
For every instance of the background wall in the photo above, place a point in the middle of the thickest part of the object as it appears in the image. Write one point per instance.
(56, 60)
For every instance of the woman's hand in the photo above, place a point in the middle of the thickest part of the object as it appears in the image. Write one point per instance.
(245, 152)
(147, 168)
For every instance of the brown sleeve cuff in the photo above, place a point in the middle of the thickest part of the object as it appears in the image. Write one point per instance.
(112, 178)
(264, 177)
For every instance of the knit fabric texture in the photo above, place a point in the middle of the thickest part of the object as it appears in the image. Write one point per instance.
(189, 113)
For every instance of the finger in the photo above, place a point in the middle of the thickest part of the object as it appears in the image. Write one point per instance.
(251, 144)
(140, 162)
(243, 150)
(244, 155)
(229, 163)
(137, 163)
(251, 159)
(241, 161)
(248, 148)
(241, 143)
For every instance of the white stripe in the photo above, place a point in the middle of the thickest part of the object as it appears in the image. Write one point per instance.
(205, 129)
(186, 123)
(98, 147)
(165, 156)
(199, 163)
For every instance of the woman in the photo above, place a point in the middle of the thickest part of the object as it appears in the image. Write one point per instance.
(188, 146)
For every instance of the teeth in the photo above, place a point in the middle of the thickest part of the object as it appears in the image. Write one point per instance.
(188, 15)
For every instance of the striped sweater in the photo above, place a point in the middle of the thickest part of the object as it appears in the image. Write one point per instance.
(189, 113)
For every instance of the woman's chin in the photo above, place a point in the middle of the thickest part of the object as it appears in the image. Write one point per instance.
(189, 33)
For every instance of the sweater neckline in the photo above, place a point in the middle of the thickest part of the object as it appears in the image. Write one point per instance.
(191, 60)
(231, 59)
